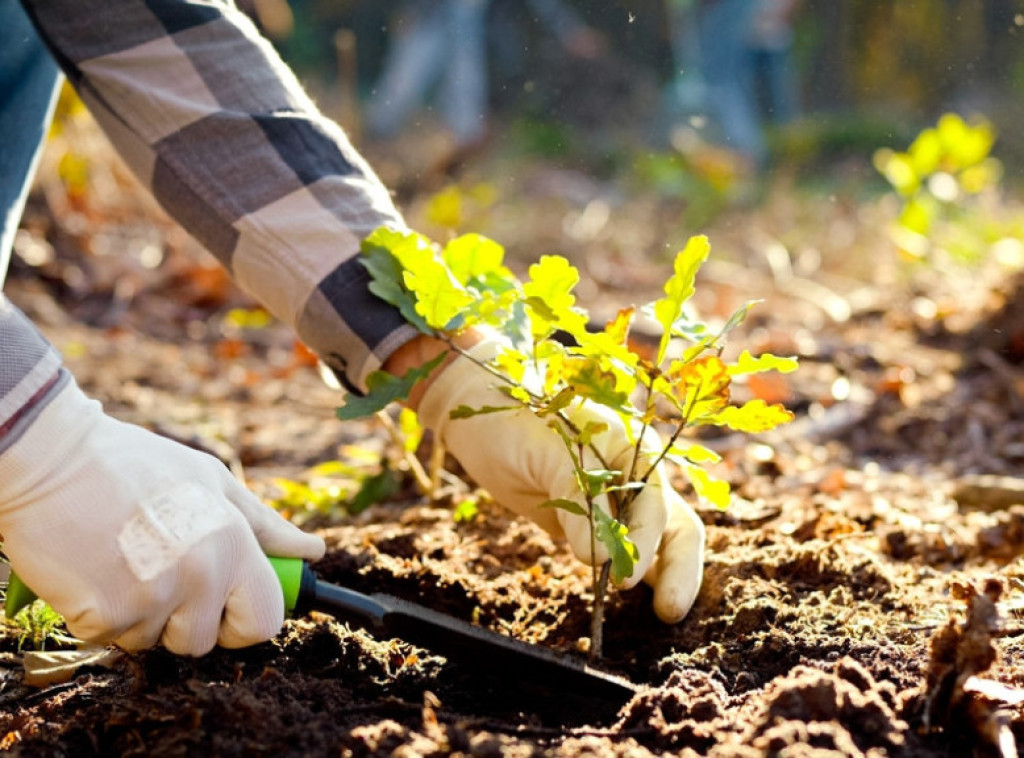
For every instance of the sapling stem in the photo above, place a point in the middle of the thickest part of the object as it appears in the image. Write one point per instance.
(661, 456)
(597, 612)
(640, 438)
(598, 581)
(684, 421)
(601, 578)
(437, 456)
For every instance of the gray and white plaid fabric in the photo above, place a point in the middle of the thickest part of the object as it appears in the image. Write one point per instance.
(28, 364)
(212, 121)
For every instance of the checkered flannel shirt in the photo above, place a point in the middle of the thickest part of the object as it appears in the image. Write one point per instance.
(220, 131)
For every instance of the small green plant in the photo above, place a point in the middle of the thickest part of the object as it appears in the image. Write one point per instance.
(38, 625)
(451, 207)
(348, 486)
(466, 510)
(444, 291)
(942, 180)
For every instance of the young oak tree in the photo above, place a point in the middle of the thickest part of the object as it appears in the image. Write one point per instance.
(555, 358)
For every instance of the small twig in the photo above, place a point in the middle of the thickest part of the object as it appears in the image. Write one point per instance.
(664, 451)
(426, 484)
(597, 614)
(640, 438)
(437, 455)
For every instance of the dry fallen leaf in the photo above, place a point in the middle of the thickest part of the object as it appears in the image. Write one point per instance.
(48, 667)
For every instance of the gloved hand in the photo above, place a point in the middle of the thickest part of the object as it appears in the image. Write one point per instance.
(523, 463)
(136, 539)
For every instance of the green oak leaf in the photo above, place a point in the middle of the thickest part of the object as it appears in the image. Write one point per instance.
(383, 389)
(552, 280)
(596, 479)
(753, 416)
(679, 288)
(474, 258)
(375, 489)
(614, 535)
(748, 364)
(388, 284)
(557, 403)
(564, 504)
(464, 411)
(440, 299)
(737, 318)
(588, 380)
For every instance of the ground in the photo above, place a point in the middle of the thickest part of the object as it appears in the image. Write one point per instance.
(861, 596)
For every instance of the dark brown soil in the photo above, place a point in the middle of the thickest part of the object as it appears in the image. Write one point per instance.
(862, 597)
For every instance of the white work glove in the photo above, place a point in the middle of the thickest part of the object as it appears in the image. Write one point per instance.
(523, 463)
(136, 539)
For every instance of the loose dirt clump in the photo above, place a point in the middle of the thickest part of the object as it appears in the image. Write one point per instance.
(843, 710)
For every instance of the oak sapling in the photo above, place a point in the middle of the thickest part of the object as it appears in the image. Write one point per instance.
(38, 626)
(555, 361)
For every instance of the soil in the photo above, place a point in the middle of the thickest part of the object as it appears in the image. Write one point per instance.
(861, 597)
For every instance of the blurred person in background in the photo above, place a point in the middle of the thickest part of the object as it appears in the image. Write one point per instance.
(438, 44)
(442, 48)
(509, 45)
(770, 47)
(710, 46)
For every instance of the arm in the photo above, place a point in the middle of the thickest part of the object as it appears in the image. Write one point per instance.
(219, 129)
(132, 537)
(222, 134)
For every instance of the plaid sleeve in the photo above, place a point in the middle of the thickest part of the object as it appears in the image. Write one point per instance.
(219, 129)
(28, 367)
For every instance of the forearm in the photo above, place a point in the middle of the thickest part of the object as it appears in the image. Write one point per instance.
(219, 129)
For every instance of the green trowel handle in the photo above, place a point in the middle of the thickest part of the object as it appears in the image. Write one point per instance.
(18, 596)
(297, 581)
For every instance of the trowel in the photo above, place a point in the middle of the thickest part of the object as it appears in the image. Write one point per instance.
(459, 641)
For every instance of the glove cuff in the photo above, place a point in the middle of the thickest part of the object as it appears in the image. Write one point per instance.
(48, 442)
(449, 388)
